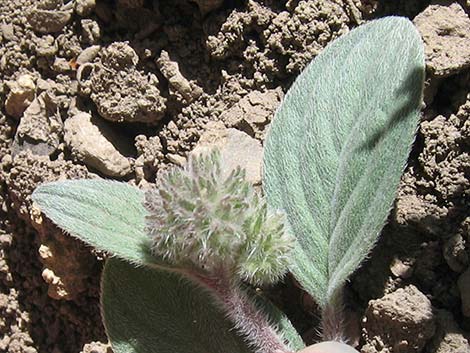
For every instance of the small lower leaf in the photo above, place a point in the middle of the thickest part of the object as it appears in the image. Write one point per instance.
(107, 215)
(151, 311)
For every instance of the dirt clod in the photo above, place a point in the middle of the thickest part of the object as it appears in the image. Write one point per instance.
(67, 263)
(386, 318)
(296, 35)
(448, 338)
(120, 91)
(446, 42)
(252, 113)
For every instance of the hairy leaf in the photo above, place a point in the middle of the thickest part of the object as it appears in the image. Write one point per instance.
(107, 215)
(151, 311)
(338, 146)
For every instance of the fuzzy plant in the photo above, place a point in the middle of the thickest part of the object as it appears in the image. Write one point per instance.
(189, 255)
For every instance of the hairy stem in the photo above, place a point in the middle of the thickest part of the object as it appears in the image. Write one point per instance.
(248, 320)
(332, 318)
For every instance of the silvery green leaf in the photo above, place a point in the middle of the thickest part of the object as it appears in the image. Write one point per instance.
(338, 146)
(107, 215)
(151, 311)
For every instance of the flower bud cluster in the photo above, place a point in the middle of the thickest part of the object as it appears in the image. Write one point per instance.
(196, 217)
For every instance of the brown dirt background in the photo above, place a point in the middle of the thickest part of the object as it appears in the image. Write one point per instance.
(124, 89)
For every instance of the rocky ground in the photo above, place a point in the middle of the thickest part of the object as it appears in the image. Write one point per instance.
(124, 89)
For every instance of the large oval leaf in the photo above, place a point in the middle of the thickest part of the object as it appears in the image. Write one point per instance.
(107, 215)
(338, 145)
(151, 311)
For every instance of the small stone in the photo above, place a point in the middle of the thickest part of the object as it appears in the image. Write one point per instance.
(56, 290)
(401, 269)
(236, 149)
(7, 31)
(91, 31)
(40, 128)
(178, 83)
(93, 142)
(21, 95)
(446, 33)
(120, 90)
(44, 85)
(330, 347)
(149, 154)
(88, 55)
(464, 287)
(45, 253)
(61, 65)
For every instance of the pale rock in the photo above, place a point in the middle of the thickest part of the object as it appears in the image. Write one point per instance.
(236, 149)
(91, 141)
(88, 54)
(21, 95)
(44, 252)
(56, 288)
(445, 29)
(97, 347)
(120, 55)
